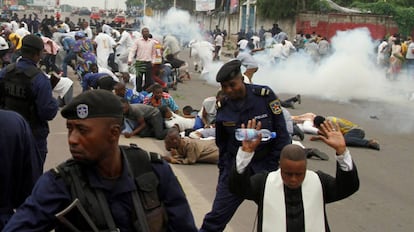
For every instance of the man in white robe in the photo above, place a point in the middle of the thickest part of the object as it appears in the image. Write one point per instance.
(104, 47)
(122, 50)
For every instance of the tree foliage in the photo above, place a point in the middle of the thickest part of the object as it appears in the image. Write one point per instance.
(401, 10)
(277, 9)
(130, 3)
(163, 4)
(401, 14)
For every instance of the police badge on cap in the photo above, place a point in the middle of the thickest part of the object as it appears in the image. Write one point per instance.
(82, 111)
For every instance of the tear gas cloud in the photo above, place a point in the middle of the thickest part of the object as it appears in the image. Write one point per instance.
(349, 73)
(175, 22)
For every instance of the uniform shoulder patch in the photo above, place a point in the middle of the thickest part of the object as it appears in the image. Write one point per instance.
(261, 91)
(275, 106)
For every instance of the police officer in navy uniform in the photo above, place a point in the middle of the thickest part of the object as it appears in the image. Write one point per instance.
(43, 106)
(94, 120)
(20, 164)
(242, 102)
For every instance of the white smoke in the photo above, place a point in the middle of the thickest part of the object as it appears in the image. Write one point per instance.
(348, 74)
(175, 22)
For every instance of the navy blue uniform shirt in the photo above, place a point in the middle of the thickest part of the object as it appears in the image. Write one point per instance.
(51, 195)
(20, 165)
(46, 105)
(267, 110)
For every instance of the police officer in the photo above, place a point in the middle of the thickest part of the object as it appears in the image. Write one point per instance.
(102, 173)
(39, 100)
(241, 103)
(20, 163)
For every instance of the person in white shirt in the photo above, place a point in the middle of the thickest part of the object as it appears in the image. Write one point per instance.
(242, 43)
(287, 48)
(381, 53)
(171, 45)
(87, 30)
(256, 41)
(202, 52)
(248, 62)
(4, 49)
(218, 41)
(122, 50)
(409, 57)
(104, 47)
(64, 90)
(172, 119)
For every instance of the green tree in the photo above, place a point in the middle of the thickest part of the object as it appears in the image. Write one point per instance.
(130, 3)
(402, 15)
(281, 9)
(160, 4)
(278, 8)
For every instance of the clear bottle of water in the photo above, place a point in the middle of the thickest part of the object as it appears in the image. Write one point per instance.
(250, 134)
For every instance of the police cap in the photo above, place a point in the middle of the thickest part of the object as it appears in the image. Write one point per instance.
(94, 104)
(32, 42)
(228, 71)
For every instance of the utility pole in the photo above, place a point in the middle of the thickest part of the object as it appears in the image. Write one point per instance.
(247, 15)
(106, 4)
(145, 6)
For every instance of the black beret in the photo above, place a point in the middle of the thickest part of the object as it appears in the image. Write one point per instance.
(228, 71)
(97, 103)
(32, 42)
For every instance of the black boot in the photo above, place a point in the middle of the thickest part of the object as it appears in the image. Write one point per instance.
(297, 131)
(298, 99)
(311, 152)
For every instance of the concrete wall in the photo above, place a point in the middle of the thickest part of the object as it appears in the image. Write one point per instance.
(232, 23)
(323, 24)
(328, 24)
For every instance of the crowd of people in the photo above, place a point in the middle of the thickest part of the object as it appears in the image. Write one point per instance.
(125, 79)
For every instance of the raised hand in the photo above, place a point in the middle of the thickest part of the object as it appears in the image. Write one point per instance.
(332, 136)
(251, 145)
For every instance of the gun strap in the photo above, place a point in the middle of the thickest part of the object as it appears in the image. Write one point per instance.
(140, 224)
(106, 211)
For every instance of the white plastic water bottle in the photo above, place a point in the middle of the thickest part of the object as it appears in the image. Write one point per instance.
(250, 134)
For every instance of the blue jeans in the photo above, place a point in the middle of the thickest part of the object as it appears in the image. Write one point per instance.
(67, 60)
(355, 138)
(166, 77)
(129, 125)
